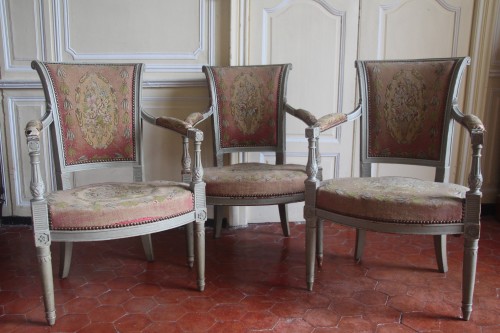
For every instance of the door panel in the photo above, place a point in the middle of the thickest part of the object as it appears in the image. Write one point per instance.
(318, 39)
(415, 29)
(321, 40)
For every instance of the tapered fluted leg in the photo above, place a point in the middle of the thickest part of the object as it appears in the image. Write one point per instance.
(200, 254)
(310, 251)
(360, 244)
(147, 244)
(469, 276)
(66, 252)
(319, 243)
(284, 220)
(218, 220)
(45, 263)
(190, 244)
(441, 255)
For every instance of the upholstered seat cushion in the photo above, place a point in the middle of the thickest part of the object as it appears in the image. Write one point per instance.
(112, 205)
(393, 199)
(255, 180)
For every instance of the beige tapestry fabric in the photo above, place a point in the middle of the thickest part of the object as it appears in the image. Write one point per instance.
(393, 199)
(110, 205)
(255, 180)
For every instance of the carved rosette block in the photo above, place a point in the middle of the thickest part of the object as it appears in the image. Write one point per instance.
(472, 231)
(42, 239)
(201, 215)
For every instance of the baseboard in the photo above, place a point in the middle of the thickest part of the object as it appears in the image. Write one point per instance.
(489, 210)
(497, 207)
(15, 220)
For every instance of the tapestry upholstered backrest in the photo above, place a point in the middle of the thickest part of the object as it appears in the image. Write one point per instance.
(95, 111)
(407, 109)
(247, 104)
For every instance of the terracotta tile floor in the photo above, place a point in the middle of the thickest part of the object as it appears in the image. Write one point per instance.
(255, 283)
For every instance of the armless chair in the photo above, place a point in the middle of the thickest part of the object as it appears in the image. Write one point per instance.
(248, 108)
(94, 120)
(407, 109)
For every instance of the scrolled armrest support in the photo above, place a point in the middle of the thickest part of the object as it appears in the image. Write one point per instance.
(476, 130)
(312, 134)
(475, 180)
(197, 136)
(475, 177)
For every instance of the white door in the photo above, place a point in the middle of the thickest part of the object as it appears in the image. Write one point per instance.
(415, 29)
(322, 39)
(318, 39)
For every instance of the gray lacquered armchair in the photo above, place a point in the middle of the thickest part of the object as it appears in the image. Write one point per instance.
(94, 120)
(408, 109)
(248, 108)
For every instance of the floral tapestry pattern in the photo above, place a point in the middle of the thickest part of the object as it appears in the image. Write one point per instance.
(252, 180)
(248, 103)
(96, 111)
(393, 199)
(407, 102)
(110, 205)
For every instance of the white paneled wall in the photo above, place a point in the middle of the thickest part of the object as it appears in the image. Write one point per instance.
(173, 38)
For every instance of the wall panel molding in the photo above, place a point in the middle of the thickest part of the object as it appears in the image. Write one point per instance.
(495, 68)
(395, 8)
(52, 31)
(19, 109)
(22, 34)
(491, 160)
(185, 54)
(339, 17)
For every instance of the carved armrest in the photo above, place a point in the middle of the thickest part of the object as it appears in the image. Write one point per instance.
(307, 117)
(472, 123)
(174, 124)
(324, 123)
(194, 118)
(330, 120)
